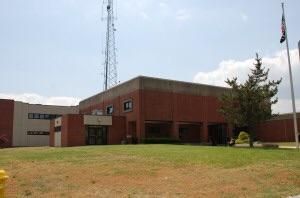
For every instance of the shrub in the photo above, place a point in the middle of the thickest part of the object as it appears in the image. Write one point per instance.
(160, 141)
(242, 138)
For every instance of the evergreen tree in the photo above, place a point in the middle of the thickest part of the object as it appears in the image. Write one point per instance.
(248, 104)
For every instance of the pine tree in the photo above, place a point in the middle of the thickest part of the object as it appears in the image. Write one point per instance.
(248, 104)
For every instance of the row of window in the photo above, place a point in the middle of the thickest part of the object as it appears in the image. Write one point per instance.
(42, 116)
(127, 106)
(38, 133)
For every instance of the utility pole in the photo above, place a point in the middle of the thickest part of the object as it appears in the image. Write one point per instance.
(110, 63)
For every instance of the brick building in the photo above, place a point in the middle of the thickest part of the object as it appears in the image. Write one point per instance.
(23, 124)
(152, 108)
(278, 129)
(138, 109)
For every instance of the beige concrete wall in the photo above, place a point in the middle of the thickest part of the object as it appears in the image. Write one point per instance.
(57, 139)
(57, 122)
(97, 120)
(22, 124)
(119, 90)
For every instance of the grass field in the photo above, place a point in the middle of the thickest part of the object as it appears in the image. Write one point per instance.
(151, 171)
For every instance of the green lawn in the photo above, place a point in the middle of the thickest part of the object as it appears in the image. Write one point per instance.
(151, 171)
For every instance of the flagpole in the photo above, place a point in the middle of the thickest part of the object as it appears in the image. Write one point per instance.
(299, 49)
(291, 82)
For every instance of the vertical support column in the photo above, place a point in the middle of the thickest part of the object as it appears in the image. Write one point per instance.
(229, 130)
(175, 133)
(204, 134)
(140, 130)
(51, 133)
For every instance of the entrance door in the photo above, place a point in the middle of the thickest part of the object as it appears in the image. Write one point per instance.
(189, 133)
(218, 134)
(97, 135)
(57, 139)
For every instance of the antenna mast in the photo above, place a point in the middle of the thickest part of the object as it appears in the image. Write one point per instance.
(110, 64)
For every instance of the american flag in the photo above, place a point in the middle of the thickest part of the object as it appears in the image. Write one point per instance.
(283, 31)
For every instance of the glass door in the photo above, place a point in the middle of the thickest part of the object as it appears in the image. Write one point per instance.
(97, 135)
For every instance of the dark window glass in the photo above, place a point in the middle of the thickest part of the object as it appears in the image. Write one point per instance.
(109, 110)
(57, 129)
(154, 130)
(36, 116)
(128, 105)
(42, 116)
(38, 133)
(30, 115)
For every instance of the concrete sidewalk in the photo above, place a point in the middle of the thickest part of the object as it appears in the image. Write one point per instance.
(266, 145)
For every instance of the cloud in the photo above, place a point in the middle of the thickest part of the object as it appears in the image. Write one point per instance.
(278, 66)
(285, 106)
(183, 14)
(33, 98)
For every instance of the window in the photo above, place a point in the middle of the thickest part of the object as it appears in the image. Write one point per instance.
(36, 116)
(127, 105)
(154, 129)
(42, 116)
(37, 132)
(57, 129)
(109, 110)
(30, 115)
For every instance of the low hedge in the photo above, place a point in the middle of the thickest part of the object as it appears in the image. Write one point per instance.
(160, 141)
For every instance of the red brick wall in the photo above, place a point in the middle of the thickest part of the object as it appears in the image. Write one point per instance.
(117, 102)
(277, 131)
(163, 106)
(157, 105)
(180, 107)
(116, 132)
(6, 121)
(51, 133)
(64, 130)
(176, 107)
(73, 131)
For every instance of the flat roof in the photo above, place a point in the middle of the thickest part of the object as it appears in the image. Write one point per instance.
(156, 84)
(286, 116)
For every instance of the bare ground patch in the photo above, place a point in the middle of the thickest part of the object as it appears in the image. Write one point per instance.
(122, 176)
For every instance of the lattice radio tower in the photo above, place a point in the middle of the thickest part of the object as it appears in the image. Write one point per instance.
(110, 64)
